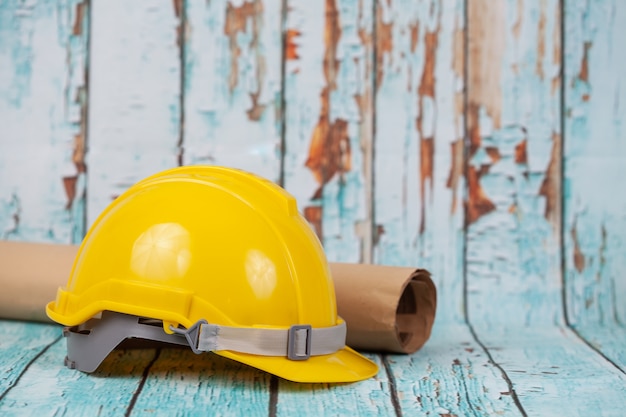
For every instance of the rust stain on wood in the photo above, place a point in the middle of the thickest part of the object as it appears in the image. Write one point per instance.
(427, 156)
(583, 74)
(556, 52)
(79, 98)
(493, 153)
(578, 257)
(178, 11)
(473, 128)
(329, 150)
(77, 30)
(426, 90)
(314, 216)
(457, 148)
(456, 169)
(486, 48)
(414, 28)
(384, 44)
(291, 48)
(237, 18)
(478, 204)
(541, 42)
(486, 38)
(551, 186)
(427, 84)
(521, 153)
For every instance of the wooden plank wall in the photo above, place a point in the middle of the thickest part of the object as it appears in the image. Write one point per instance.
(480, 139)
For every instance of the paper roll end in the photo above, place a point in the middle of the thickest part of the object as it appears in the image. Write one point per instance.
(415, 313)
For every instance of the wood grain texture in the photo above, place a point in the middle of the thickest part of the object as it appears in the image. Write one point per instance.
(232, 86)
(553, 372)
(418, 212)
(183, 383)
(419, 142)
(513, 211)
(513, 173)
(135, 96)
(371, 397)
(50, 389)
(328, 121)
(43, 105)
(594, 158)
(20, 345)
(451, 376)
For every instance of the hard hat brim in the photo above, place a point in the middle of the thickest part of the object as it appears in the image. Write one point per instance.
(345, 365)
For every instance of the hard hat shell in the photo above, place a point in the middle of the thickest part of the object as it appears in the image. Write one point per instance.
(213, 243)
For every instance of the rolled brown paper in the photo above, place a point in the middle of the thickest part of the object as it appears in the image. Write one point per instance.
(386, 308)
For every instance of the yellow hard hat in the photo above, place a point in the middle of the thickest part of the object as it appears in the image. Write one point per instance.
(216, 258)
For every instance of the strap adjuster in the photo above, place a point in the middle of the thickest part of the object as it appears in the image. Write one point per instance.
(299, 342)
(192, 334)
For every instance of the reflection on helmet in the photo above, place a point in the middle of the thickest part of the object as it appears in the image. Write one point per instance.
(161, 252)
(224, 262)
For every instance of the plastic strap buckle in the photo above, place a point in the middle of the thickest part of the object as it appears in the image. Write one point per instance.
(192, 334)
(299, 342)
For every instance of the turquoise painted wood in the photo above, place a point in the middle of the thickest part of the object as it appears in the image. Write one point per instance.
(20, 346)
(419, 132)
(179, 382)
(514, 213)
(49, 390)
(594, 156)
(480, 139)
(134, 98)
(328, 121)
(232, 97)
(451, 375)
(368, 398)
(43, 106)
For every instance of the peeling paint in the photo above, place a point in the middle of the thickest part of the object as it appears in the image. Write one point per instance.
(521, 153)
(557, 47)
(78, 21)
(237, 20)
(583, 74)
(384, 45)
(291, 45)
(180, 29)
(478, 204)
(541, 35)
(425, 91)
(487, 36)
(329, 150)
(551, 186)
(457, 151)
(329, 153)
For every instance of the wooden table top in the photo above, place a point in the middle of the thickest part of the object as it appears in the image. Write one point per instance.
(534, 371)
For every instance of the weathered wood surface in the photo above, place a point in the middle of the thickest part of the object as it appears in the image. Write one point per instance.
(514, 212)
(478, 139)
(328, 120)
(232, 96)
(43, 107)
(134, 97)
(178, 382)
(419, 142)
(594, 158)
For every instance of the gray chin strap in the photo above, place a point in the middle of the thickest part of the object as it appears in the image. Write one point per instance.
(90, 343)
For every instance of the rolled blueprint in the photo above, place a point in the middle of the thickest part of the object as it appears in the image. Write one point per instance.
(385, 308)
